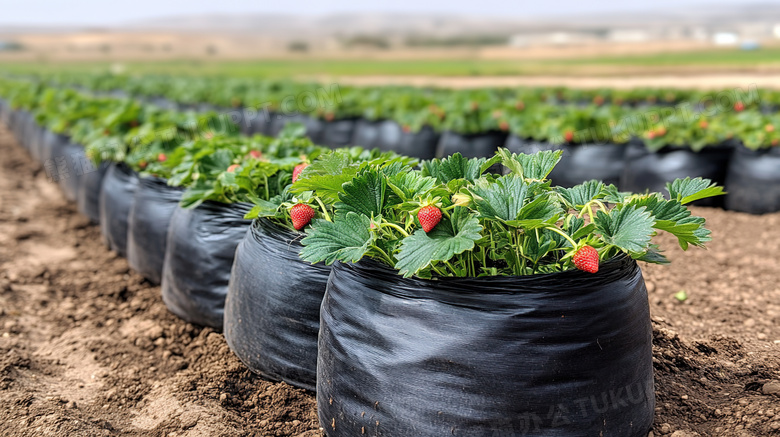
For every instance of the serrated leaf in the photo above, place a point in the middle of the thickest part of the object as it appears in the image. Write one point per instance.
(447, 239)
(542, 211)
(536, 166)
(502, 199)
(347, 240)
(629, 228)
(366, 194)
(578, 196)
(453, 167)
(410, 185)
(326, 176)
(688, 190)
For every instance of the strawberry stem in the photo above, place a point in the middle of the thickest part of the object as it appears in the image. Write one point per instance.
(563, 234)
(396, 227)
(322, 206)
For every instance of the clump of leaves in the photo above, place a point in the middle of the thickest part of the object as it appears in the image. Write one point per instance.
(513, 224)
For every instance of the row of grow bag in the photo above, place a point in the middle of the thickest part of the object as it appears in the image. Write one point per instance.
(273, 315)
(394, 355)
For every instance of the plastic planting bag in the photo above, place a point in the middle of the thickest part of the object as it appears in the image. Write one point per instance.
(564, 355)
(580, 162)
(753, 181)
(646, 170)
(88, 199)
(153, 206)
(421, 144)
(116, 200)
(482, 145)
(272, 314)
(71, 167)
(198, 258)
(366, 133)
(337, 133)
(52, 146)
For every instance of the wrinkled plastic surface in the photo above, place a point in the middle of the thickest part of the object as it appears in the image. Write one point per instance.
(116, 200)
(199, 255)
(52, 146)
(646, 170)
(337, 133)
(272, 313)
(71, 169)
(753, 181)
(579, 163)
(153, 205)
(482, 145)
(88, 199)
(366, 133)
(558, 355)
(421, 144)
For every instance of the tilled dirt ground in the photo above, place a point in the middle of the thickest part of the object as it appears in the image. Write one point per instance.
(87, 347)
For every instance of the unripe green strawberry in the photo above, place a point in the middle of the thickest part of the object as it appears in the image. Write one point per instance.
(429, 217)
(586, 259)
(297, 171)
(301, 214)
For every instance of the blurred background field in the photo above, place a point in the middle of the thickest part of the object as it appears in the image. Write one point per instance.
(686, 44)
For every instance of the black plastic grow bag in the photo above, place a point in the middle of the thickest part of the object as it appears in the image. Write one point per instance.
(88, 199)
(116, 200)
(72, 168)
(482, 145)
(580, 162)
(366, 133)
(563, 355)
(337, 133)
(753, 181)
(272, 313)
(52, 147)
(153, 206)
(199, 255)
(421, 144)
(646, 170)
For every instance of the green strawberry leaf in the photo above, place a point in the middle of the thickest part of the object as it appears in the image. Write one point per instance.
(688, 190)
(326, 176)
(447, 239)
(453, 167)
(502, 199)
(347, 240)
(366, 194)
(536, 167)
(542, 211)
(578, 196)
(409, 185)
(629, 228)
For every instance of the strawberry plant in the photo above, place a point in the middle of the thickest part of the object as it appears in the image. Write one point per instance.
(515, 224)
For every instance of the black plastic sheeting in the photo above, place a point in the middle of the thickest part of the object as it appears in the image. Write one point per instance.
(753, 181)
(198, 258)
(72, 167)
(482, 145)
(88, 199)
(421, 144)
(366, 133)
(646, 170)
(580, 162)
(337, 133)
(313, 126)
(557, 355)
(52, 147)
(272, 313)
(116, 200)
(153, 207)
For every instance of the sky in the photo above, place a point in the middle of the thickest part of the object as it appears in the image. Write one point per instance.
(107, 12)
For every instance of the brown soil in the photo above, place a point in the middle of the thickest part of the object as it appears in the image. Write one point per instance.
(87, 348)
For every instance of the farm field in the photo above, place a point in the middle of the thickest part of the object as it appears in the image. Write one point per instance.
(88, 348)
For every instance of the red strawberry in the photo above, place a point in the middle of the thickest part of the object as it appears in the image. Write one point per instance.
(703, 124)
(142, 165)
(661, 131)
(233, 168)
(329, 116)
(598, 100)
(769, 128)
(429, 217)
(255, 154)
(739, 106)
(406, 129)
(297, 171)
(520, 106)
(504, 126)
(569, 136)
(161, 157)
(301, 214)
(586, 259)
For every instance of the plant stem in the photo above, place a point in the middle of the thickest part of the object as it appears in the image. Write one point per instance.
(563, 234)
(396, 227)
(324, 210)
